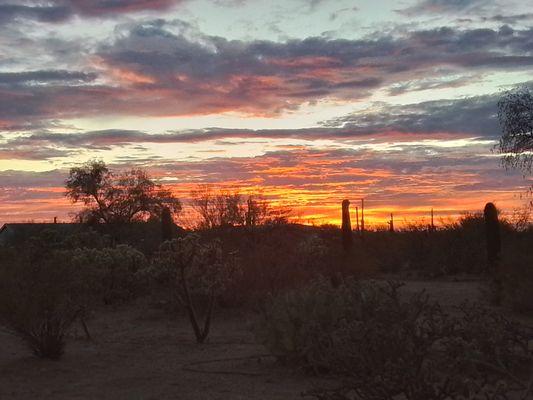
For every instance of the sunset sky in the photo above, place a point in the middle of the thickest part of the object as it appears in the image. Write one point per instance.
(308, 101)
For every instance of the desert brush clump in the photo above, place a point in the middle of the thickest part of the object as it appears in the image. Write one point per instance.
(516, 272)
(117, 272)
(376, 342)
(457, 247)
(40, 299)
(50, 283)
(291, 325)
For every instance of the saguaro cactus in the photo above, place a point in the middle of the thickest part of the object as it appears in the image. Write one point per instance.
(492, 232)
(362, 216)
(166, 225)
(346, 226)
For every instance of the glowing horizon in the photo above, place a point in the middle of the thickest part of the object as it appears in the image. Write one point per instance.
(309, 102)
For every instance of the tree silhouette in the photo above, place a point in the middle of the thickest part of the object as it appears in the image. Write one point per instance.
(117, 198)
(515, 113)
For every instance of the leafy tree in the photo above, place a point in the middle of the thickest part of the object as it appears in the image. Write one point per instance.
(515, 113)
(117, 198)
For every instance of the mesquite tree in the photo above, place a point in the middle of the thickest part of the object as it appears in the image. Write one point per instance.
(117, 197)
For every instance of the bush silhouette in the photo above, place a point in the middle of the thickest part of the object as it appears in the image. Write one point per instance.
(40, 300)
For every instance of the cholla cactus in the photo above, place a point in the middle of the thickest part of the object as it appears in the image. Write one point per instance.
(346, 226)
(201, 271)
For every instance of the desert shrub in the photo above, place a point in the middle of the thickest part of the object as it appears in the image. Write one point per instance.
(269, 264)
(197, 273)
(516, 272)
(40, 300)
(293, 324)
(458, 247)
(517, 285)
(87, 238)
(378, 343)
(279, 258)
(116, 271)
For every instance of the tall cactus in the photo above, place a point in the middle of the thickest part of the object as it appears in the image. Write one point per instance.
(346, 226)
(167, 225)
(492, 232)
(362, 216)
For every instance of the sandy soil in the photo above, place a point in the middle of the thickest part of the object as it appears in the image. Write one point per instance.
(141, 352)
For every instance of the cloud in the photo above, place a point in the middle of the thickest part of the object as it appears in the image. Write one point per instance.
(55, 13)
(509, 19)
(267, 77)
(442, 119)
(61, 10)
(161, 68)
(444, 6)
(432, 83)
(105, 7)
(469, 116)
(45, 76)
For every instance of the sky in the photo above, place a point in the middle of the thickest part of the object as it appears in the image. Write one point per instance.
(306, 101)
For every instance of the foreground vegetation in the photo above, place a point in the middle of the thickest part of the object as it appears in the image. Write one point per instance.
(326, 301)
(317, 306)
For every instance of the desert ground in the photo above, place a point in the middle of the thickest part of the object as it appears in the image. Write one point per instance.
(141, 351)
